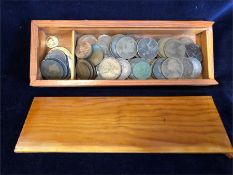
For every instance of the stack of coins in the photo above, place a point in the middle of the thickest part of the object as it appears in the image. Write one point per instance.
(131, 57)
(55, 65)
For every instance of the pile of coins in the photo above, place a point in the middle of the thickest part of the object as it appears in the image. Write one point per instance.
(55, 65)
(132, 57)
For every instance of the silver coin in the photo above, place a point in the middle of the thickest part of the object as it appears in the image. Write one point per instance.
(161, 43)
(156, 70)
(115, 39)
(125, 69)
(193, 50)
(91, 39)
(188, 68)
(147, 48)
(104, 42)
(126, 47)
(173, 48)
(197, 67)
(172, 68)
(186, 40)
(97, 55)
(55, 53)
(141, 70)
(109, 68)
(51, 69)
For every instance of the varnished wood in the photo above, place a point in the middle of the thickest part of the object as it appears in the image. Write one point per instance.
(68, 31)
(124, 124)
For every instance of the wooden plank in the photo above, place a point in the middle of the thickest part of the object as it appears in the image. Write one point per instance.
(124, 124)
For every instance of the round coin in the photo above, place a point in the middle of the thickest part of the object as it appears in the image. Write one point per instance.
(161, 43)
(51, 69)
(172, 68)
(84, 70)
(186, 40)
(52, 41)
(97, 55)
(109, 68)
(56, 53)
(83, 49)
(147, 48)
(193, 50)
(188, 68)
(197, 67)
(125, 69)
(104, 42)
(115, 39)
(141, 69)
(173, 48)
(126, 47)
(91, 39)
(156, 70)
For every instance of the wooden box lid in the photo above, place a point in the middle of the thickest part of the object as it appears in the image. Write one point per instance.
(185, 124)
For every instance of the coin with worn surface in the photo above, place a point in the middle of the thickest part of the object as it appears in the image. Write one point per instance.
(83, 50)
(126, 47)
(172, 68)
(197, 67)
(188, 68)
(193, 50)
(141, 69)
(186, 40)
(56, 53)
(51, 69)
(52, 41)
(173, 48)
(91, 39)
(97, 55)
(115, 39)
(156, 69)
(161, 44)
(109, 68)
(125, 69)
(84, 69)
(63, 49)
(104, 42)
(147, 48)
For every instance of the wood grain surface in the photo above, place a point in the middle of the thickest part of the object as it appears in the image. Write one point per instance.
(124, 124)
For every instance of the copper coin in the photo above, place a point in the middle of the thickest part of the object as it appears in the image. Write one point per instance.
(83, 49)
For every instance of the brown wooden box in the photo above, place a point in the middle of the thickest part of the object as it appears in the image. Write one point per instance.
(67, 31)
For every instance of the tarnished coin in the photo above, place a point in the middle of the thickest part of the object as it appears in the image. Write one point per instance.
(161, 44)
(173, 48)
(104, 42)
(115, 39)
(97, 55)
(51, 69)
(188, 68)
(141, 69)
(125, 69)
(197, 67)
(63, 49)
(147, 48)
(91, 39)
(52, 41)
(56, 53)
(156, 69)
(193, 50)
(83, 49)
(109, 68)
(84, 69)
(186, 40)
(126, 47)
(172, 68)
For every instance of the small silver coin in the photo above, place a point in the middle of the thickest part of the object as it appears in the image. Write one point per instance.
(173, 48)
(52, 41)
(186, 40)
(197, 67)
(188, 68)
(55, 53)
(51, 69)
(104, 42)
(115, 39)
(97, 55)
(172, 68)
(193, 50)
(156, 70)
(109, 68)
(88, 38)
(147, 48)
(125, 69)
(141, 70)
(126, 47)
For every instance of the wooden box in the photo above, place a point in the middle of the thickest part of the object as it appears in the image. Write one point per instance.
(68, 31)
